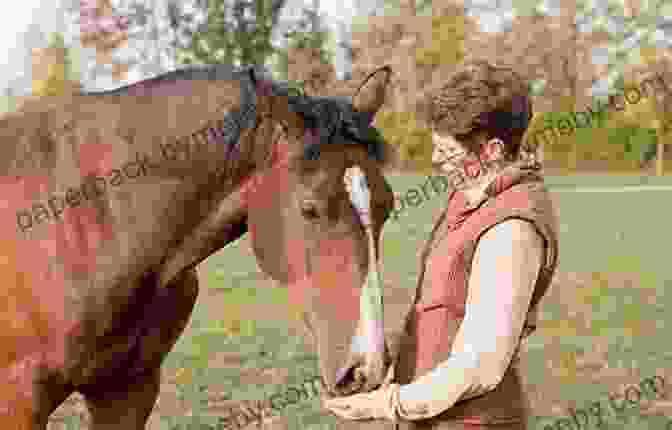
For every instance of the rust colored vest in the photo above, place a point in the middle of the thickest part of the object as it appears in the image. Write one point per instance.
(434, 319)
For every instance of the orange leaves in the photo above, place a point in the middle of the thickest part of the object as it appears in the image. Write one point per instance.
(403, 130)
(50, 68)
(102, 29)
(447, 47)
(98, 22)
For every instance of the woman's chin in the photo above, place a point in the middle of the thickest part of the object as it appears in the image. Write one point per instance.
(446, 169)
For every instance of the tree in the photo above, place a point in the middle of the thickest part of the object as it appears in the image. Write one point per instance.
(137, 38)
(653, 113)
(629, 24)
(624, 30)
(9, 101)
(100, 26)
(158, 35)
(307, 38)
(407, 7)
(421, 49)
(445, 48)
(58, 68)
(96, 24)
(634, 24)
(236, 32)
(344, 48)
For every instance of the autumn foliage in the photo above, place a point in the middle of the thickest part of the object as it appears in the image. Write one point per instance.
(419, 49)
(52, 70)
(423, 50)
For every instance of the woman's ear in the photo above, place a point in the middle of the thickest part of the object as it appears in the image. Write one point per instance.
(493, 149)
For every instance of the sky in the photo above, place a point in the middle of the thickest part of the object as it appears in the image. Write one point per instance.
(17, 37)
(22, 16)
(13, 44)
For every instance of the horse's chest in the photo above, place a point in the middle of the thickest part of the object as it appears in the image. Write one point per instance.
(140, 335)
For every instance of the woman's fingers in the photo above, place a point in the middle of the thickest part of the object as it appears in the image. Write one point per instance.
(337, 404)
(390, 375)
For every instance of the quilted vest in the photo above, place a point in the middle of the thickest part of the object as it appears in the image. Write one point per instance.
(439, 306)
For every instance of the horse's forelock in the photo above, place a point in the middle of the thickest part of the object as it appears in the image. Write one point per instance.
(311, 144)
(328, 119)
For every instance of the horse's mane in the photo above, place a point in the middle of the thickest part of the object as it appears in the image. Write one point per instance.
(195, 72)
(332, 119)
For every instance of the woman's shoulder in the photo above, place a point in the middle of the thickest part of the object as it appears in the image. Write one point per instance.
(520, 231)
(533, 192)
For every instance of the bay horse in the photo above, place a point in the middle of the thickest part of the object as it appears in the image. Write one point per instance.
(110, 200)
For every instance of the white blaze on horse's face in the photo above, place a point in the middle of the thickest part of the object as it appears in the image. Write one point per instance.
(369, 338)
(448, 154)
(307, 235)
(360, 196)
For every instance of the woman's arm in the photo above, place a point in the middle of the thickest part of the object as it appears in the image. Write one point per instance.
(504, 271)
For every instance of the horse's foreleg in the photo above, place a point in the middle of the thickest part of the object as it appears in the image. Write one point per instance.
(29, 394)
(129, 402)
(28, 412)
(128, 408)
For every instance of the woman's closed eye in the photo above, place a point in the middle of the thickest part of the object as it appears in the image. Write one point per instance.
(447, 153)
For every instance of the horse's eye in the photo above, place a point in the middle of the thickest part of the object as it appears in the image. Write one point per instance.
(309, 211)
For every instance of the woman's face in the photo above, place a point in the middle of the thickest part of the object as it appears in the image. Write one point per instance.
(448, 154)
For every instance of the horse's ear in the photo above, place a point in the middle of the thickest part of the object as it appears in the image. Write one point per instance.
(370, 95)
(253, 76)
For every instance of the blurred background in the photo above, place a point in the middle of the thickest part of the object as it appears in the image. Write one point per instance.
(575, 53)
(603, 323)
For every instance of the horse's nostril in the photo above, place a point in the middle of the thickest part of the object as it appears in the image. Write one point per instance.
(352, 379)
(344, 377)
(360, 376)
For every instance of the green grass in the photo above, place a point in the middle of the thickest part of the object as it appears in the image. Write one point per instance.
(603, 232)
(599, 232)
(6, 104)
(606, 180)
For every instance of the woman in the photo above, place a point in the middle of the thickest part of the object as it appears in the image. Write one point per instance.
(489, 260)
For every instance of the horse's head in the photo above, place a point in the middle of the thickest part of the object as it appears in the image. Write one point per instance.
(304, 230)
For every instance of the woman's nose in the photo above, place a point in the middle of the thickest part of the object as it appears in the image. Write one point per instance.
(439, 154)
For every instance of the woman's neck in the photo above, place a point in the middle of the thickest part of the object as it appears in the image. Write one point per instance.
(473, 189)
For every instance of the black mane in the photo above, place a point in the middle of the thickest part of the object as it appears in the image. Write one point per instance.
(332, 118)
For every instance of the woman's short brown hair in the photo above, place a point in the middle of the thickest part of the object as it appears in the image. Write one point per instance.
(480, 97)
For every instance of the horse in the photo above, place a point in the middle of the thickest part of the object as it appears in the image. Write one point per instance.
(112, 198)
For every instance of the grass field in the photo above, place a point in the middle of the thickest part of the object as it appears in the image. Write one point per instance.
(603, 323)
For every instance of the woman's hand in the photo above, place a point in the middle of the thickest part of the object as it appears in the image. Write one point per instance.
(378, 404)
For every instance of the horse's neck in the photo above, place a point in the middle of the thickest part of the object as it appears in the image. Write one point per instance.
(223, 225)
(227, 220)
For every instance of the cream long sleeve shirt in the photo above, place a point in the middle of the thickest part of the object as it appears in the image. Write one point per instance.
(505, 267)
